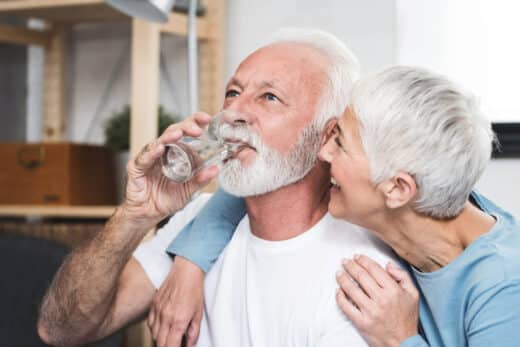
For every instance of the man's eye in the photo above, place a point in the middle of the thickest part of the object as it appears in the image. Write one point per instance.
(271, 97)
(231, 93)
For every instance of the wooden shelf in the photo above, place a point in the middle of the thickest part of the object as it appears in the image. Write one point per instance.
(57, 211)
(77, 11)
(62, 10)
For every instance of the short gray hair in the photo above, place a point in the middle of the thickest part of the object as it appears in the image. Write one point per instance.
(344, 69)
(415, 121)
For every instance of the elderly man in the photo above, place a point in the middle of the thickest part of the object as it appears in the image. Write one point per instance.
(283, 93)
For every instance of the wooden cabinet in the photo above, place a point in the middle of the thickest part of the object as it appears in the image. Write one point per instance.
(56, 174)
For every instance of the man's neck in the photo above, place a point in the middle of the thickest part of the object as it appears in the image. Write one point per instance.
(291, 210)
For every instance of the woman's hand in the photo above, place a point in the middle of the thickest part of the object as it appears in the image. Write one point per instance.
(150, 196)
(383, 305)
(176, 310)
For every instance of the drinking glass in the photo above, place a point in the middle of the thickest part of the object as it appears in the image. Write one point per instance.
(184, 158)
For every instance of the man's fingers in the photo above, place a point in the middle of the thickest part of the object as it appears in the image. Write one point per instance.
(191, 126)
(202, 118)
(148, 156)
(205, 175)
(362, 277)
(170, 135)
(200, 180)
(375, 270)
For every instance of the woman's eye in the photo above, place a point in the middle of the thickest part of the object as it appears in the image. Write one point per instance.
(271, 97)
(338, 143)
(231, 93)
(336, 140)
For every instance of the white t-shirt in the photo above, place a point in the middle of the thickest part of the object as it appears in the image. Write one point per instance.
(271, 293)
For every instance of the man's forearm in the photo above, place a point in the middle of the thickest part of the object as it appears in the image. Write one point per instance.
(82, 293)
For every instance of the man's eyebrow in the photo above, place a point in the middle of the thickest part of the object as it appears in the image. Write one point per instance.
(235, 82)
(268, 84)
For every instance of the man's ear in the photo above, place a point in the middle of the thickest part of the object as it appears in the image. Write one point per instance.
(398, 190)
(327, 131)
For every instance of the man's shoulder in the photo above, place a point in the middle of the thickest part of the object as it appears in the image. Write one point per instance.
(349, 239)
(197, 203)
(192, 208)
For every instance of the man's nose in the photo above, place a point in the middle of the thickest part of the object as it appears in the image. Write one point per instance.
(238, 117)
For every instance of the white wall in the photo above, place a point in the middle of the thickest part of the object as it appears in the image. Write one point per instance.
(471, 41)
(367, 27)
(100, 66)
(95, 52)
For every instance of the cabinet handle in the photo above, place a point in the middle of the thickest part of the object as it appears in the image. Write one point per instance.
(31, 157)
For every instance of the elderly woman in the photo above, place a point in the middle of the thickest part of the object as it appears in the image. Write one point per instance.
(404, 159)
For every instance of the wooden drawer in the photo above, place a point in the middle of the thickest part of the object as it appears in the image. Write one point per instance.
(56, 174)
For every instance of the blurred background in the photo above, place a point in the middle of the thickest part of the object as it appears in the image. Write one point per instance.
(82, 85)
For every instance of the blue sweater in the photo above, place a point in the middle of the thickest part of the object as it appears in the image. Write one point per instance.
(473, 301)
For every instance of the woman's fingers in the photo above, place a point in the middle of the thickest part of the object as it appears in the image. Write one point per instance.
(376, 271)
(348, 308)
(352, 290)
(363, 278)
(402, 277)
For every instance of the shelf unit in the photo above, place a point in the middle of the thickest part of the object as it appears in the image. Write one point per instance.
(57, 211)
(60, 16)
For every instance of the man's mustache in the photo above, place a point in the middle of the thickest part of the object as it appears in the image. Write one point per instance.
(241, 133)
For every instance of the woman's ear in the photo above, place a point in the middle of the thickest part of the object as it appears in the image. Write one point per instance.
(327, 131)
(398, 190)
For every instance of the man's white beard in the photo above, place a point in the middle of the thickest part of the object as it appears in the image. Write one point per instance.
(271, 169)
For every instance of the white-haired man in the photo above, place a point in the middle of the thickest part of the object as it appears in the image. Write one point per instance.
(284, 94)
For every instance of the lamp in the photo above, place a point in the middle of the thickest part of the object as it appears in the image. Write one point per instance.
(158, 11)
(151, 10)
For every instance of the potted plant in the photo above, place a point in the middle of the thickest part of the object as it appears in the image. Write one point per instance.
(117, 138)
